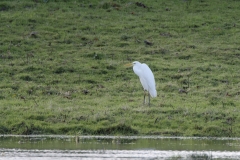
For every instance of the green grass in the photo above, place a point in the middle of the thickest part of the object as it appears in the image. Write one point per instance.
(62, 67)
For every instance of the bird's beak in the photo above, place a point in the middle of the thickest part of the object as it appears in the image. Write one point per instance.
(128, 65)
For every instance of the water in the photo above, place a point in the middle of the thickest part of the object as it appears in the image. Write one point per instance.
(114, 147)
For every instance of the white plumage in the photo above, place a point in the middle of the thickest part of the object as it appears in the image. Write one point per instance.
(146, 78)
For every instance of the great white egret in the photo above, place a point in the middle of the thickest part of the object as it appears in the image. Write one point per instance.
(146, 78)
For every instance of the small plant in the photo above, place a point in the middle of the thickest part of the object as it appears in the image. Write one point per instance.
(188, 3)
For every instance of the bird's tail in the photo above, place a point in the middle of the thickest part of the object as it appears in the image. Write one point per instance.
(153, 93)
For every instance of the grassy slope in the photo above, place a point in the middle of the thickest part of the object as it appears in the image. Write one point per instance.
(62, 67)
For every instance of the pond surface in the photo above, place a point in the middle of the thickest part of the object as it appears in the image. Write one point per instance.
(117, 147)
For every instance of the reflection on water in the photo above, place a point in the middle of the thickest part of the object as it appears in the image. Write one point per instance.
(108, 147)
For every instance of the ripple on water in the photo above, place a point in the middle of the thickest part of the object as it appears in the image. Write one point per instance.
(19, 154)
(116, 147)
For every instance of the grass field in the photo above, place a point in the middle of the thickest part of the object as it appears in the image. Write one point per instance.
(62, 67)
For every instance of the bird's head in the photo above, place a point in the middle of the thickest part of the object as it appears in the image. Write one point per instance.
(132, 64)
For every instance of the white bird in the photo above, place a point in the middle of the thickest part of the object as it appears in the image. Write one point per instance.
(146, 78)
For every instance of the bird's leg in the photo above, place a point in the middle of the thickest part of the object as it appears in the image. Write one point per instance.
(144, 97)
(148, 99)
